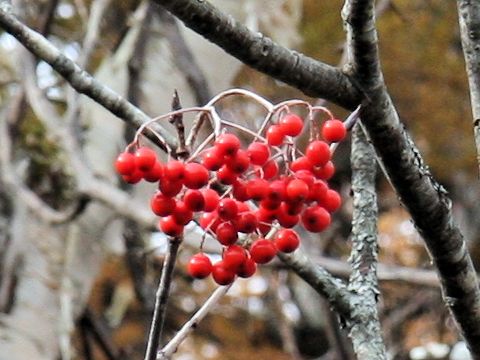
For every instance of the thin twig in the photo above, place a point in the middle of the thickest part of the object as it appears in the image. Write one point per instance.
(161, 298)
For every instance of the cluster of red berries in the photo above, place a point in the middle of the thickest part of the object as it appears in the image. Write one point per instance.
(232, 191)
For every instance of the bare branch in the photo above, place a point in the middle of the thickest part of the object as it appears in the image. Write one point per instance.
(469, 19)
(161, 299)
(79, 79)
(258, 51)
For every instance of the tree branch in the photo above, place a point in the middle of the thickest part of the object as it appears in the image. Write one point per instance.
(79, 79)
(261, 53)
(469, 19)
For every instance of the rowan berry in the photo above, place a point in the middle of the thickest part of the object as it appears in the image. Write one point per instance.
(262, 251)
(125, 163)
(227, 144)
(227, 209)
(287, 240)
(233, 257)
(182, 214)
(174, 170)
(302, 163)
(291, 124)
(318, 152)
(194, 200)
(332, 201)
(199, 266)
(170, 227)
(247, 269)
(275, 135)
(226, 233)
(258, 153)
(162, 205)
(315, 219)
(297, 190)
(212, 159)
(145, 158)
(333, 130)
(211, 198)
(155, 173)
(195, 176)
(226, 176)
(257, 189)
(169, 188)
(221, 274)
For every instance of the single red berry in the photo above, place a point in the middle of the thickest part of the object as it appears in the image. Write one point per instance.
(262, 251)
(212, 159)
(174, 170)
(247, 269)
(285, 219)
(292, 207)
(302, 163)
(297, 190)
(227, 144)
(194, 200)
(162, 205)
(226, 233)
(211, 198)
(270, 169)
(332, 201)
(240, 191)
(239, 162)
(287, 240)
(155, 173)
(275, 135)
(209, 220)
(270, 204)
(170, 227)
(134, 177)
(195, 176)
(145, 158)
(246, 222)
(199, 266)
(306, 176)
(333, 130)
(242, 207)
(257, 189)
(277, 191)
(182, 214)
(291, 124)
(221, 274)
(318, 191)
(234, 256)
(258, 153)
(315, 219)
(169, 188)
(265, 215)
(227, 209)
(125, 163)
(226, 176)
(324, 172)
(318, 152)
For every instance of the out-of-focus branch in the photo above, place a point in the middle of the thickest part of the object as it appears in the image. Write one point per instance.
(79, 79)
(161, 299)
(469, 19)
(258, 51)
(364, 327)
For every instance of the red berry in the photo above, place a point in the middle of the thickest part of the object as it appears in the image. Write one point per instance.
(292, 207)
(286, 220)
(233, 257)
(302, 163)
(291, 124)
(318, 152)
(324, 172)
(277, 191)
(257, 189)
(199, 266)
(134, 177)
(162, 205)
(316, 219)
(170, 227)
(246, 222)
(212, 159)
(182, 214)
(242, 207)
(211, 198)
(305, 176)
(287, 240)
(275, 135)
(258, 153)
(227, 144)
(332, 201)
(227, 209)
(194, 200)
(155, 173)
(318, 191)
(125, 163)
(169, 188)
(333, 130)
(247, 269)
(226, 176)
(195, 176)
(145, 158)
(173, 170)
(297, 190)
(226, 233)
(270, 204)
(240, 191)
(262, 251)
(239, 162)
(209, 221)
(265, 215)
(270, 169)
(221, 274)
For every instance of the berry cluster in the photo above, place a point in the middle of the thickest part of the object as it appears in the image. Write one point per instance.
(238, 195)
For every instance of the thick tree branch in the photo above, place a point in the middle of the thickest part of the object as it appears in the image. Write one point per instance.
(258, 51)
(469, 19)
(79, 79)
(421, 194)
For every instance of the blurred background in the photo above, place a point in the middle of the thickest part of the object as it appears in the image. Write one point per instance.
(85, 285)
